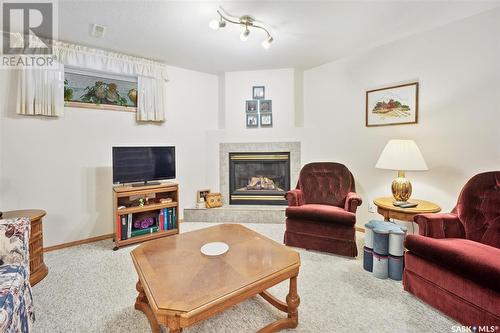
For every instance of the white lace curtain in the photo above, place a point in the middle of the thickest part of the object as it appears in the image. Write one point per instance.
(40, 90)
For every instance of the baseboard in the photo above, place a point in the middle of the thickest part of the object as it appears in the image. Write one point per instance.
(82, 241)
(360, 229)
(78, 242)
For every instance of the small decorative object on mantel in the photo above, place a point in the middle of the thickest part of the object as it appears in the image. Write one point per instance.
(392, 105)
(258, 92)
(213, 200)
(201, 198)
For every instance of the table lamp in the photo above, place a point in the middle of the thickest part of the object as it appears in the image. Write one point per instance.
(401, 155)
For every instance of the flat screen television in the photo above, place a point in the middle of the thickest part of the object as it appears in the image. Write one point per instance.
(143, 164)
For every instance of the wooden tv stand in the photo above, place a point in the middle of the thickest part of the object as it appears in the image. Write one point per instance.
(124, 196)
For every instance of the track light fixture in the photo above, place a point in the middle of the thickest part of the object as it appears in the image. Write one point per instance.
(246, 21)
(267, 42)
(217, 24)
(244, 34)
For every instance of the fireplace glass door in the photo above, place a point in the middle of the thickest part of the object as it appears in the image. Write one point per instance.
(259, 178)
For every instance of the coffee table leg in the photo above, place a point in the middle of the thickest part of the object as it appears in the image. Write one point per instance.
(142, 304)
(291, 308)
(173, 324)
(293, 301)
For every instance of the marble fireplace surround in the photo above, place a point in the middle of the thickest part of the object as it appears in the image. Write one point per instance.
(257, 147)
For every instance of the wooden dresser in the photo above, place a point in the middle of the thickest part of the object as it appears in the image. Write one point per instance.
(38, 269)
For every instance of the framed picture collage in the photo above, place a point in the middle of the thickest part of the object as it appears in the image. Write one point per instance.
(259, 110)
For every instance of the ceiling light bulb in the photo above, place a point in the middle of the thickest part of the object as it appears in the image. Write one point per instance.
(267, 42)
(214, 24)
(244, 35)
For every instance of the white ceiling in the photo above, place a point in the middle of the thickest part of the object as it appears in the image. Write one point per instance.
(307, 33)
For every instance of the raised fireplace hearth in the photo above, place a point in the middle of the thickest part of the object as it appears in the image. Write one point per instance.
(259, 178)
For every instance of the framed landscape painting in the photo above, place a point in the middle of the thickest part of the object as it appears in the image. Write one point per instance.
(392, 105)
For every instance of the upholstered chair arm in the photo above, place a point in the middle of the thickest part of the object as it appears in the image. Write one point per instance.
(14, 240)
(352, 201)
(444, 225)
(294, 197)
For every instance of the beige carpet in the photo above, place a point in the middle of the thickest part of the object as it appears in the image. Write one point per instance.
(91, 288)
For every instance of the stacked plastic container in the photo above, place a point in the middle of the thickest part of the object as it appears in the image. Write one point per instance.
(384, 249)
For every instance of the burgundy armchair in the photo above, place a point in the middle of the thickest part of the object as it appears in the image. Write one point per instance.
(454, 264)
(321, 211)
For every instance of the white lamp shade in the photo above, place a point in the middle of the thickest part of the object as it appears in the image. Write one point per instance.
(401, 155)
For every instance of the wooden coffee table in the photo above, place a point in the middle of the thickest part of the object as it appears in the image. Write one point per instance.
(179, 286)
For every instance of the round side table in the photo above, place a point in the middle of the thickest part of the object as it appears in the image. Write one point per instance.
(389, 211)
(38, 269)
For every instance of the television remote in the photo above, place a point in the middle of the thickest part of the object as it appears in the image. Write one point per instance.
(408, 205)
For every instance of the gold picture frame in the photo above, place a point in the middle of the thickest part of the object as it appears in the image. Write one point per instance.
(200, 197)
(394, 105)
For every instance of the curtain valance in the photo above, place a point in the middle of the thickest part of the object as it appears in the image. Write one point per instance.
(101, 60)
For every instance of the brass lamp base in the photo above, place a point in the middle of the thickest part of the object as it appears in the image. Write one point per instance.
(401, 188)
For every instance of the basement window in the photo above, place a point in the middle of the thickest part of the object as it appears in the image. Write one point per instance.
(98, 90)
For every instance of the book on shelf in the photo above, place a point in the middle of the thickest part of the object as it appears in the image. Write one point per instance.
(168, 218)
(129, 225)
(160, 220)
(123, 227)
(170, 226)
(145, 231)
(174, 218)
(165, 218)
(118, 226)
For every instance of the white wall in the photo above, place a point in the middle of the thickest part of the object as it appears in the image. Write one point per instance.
(64, 165)
(279, 87)
(458, 68)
